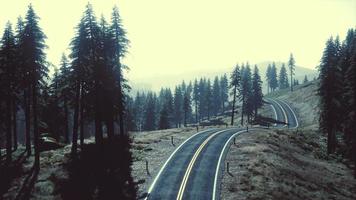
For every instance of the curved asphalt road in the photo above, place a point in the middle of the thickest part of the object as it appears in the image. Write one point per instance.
(279, 112)
(292, 118)
(193, 171)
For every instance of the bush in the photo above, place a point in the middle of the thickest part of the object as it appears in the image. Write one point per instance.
(101, 171)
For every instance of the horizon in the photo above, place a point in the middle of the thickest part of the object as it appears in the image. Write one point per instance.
(167, 40)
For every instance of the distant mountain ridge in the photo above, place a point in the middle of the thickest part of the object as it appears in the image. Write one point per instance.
(171, 80)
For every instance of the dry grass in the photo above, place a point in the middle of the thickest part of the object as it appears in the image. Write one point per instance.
(285, 165)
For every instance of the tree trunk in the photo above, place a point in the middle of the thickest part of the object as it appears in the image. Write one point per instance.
(242, 110)
(8, 130)
(75, 119)
(233, 107)
(35, 125)
(27, 120)
(185, 118)
(110, 119)
(354, 152)
(291, 82)
(196, 113)
(256, 112)
(81, 115)
(121, 114)
(331, 139)
(66, 126)
(110, 127)
(14, 118)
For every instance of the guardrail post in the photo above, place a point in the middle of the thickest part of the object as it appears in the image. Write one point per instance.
(247, 128)
(197, 127)
(172, 140)
(234, 141)
(147, 171)
(228, 167)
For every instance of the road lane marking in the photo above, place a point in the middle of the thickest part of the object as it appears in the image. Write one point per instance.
(284, 112)
(275, 112)
(295, 116)
(219, 161)
(169, 158)
(191, 164)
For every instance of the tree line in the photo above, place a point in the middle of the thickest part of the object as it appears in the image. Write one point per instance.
(188, 103)
(86, 94)
(246, 87)
(280, 80)
(337, 92)
(199, 100)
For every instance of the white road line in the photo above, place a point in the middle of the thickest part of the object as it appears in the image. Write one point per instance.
(192, 162)
(275, 113)
(284, 112)
(219, 161)
(170, 157)
(295, 116)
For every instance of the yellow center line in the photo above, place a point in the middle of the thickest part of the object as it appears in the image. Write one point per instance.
(284, 112)
(190, 166)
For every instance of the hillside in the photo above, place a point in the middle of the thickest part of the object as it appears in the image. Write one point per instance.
(304, 100)
(171, 80)
(288, 164)
(285, 164)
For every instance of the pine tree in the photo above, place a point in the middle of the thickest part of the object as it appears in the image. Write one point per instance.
(202, 100)
(273, 77)
(150, 112)
(138, 110)
(350, 93)
(345, 106)
(245, 94)
(208, 98)
(291, 65)
(25, 81)
(34, 57)
(163, 118)
(328, 91)
(178, 106)
(235, 85)
(196, 100)
(66, 92)
(305, 79)
(283, 78)
(224, 92)
(121, 44)
(187, 105)
(80, 58)
(257, 94)
(216, 96)
(8, 82)
(268, 77)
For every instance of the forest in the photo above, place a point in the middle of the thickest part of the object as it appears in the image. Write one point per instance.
(89, 96)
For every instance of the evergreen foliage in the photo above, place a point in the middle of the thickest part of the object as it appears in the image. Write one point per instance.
(283, 78)
(291, 65)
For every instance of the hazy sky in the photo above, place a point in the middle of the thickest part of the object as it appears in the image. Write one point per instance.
(192, 35)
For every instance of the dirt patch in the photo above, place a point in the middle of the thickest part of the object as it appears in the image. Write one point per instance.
(270, 164)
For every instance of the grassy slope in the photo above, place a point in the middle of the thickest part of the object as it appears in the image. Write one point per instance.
(304, 100)
(287, 164)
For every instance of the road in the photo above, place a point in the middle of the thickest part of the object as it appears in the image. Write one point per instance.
(284, 113)
(194, 169)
